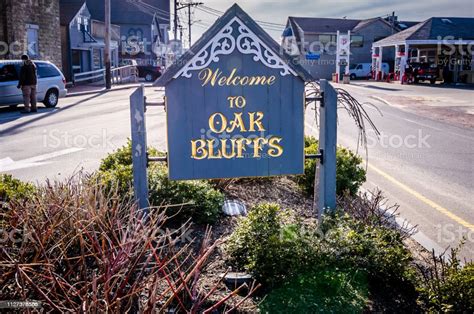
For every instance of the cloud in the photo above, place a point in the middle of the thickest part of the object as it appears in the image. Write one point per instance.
(278, 11)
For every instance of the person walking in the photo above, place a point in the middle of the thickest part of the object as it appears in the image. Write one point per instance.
(27, 84)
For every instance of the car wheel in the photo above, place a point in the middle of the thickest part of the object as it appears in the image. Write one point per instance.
(353, 77)
(51, 99)
(149, 77)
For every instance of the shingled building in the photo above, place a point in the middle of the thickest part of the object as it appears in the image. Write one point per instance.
(32, 27)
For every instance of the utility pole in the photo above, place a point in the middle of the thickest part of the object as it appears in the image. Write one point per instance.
(175, 19)
(187, 5)
(393, 22)
(108, 71)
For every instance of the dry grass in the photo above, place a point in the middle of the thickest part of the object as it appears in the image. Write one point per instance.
(86, 251)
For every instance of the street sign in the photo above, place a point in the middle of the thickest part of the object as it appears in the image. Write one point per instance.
(235, 105)
(343, 53)
(313, 56)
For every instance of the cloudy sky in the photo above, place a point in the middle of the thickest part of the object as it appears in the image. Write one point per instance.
(277, 11)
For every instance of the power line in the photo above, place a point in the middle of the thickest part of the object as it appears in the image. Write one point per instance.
(183, 5)
(269, 27)
(220, 13)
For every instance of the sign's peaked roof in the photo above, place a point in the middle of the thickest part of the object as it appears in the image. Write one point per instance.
(219, 40)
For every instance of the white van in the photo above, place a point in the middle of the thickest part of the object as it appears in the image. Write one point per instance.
(51, 83)
(364, 70)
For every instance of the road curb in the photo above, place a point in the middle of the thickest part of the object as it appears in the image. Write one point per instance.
(103, 91)
(417, 236)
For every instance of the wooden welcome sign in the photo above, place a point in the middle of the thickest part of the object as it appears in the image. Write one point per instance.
(235, 105)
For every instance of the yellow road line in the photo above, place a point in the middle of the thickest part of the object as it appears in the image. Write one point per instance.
(425, 200)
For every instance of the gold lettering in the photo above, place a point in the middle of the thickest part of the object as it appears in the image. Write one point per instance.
(256, 122)
(271, 80)
(222, 81)
(209, 76)
(275, 150)
(241, 146)
(222, 123)
(238, 122)
(231, 79)
(224, 148)
(198, 152)
(210, 144)
(257, 146)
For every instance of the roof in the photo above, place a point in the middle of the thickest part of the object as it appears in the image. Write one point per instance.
(433, 28)
(324, 25)
(123, 11)
(126, 12)
(365, 23)
(318, 25)
(234, 11)
(68, 10)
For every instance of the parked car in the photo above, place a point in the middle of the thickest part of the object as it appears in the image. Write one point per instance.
(364, 70)
(51, 83)
(149, 72)
(424, 71)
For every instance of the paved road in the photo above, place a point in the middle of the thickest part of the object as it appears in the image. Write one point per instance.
(425, 166)
(74, 136)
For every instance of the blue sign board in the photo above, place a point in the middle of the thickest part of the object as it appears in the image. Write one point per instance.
(235, 105)
(313, 56)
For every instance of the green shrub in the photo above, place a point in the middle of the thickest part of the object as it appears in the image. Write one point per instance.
(188, 199)
(379, 251)
(350, 174)
(449, 287)
(273, 248)
(197, 200)
(324, 290)
(116, 172)
(14, 189)
(266, 246)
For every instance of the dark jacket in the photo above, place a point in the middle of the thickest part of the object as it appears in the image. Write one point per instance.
(28, 74)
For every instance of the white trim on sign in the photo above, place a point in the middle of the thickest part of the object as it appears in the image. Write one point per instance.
(224, 43)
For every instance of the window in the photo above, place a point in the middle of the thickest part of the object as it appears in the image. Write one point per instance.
(32, 39)
(357, 41)
(46, 70)
(79, 23)
(325, 39)
(8, 73)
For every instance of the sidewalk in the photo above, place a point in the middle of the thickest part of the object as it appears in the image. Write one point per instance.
(81, 90)
(451, 104)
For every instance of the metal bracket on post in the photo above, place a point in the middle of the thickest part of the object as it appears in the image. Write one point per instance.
(315, 156)
(139, 148)
(153, 104)
(327, 144)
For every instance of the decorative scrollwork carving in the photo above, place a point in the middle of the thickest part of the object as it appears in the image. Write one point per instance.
(224, 43)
